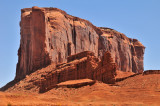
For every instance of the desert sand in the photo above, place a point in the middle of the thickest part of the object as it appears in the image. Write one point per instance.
(138, 90)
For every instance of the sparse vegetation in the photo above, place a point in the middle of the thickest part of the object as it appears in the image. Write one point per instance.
(9, 104)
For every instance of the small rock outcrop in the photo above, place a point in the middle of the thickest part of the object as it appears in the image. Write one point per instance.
(147, 72)
(50, 35)
(76, 83)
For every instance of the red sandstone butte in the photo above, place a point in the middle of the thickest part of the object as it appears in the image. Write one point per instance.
(50, 35)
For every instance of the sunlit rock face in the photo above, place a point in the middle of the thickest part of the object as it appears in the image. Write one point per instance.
(50, 35)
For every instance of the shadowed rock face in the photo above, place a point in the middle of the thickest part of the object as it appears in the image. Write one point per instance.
(49, 35)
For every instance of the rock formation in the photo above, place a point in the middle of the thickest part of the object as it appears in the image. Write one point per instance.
(80, 66)
(50, 35)
(147, 72)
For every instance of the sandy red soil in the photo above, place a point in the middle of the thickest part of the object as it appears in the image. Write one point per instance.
(121, 74)
(139, 90)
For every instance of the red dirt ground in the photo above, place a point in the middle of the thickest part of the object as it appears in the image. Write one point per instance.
(138, 90)
(121, 74)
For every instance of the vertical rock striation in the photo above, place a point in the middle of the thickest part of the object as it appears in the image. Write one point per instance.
(50, 35)
(126, 52)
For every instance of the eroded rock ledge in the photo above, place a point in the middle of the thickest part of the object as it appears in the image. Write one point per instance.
(50, 35)
(81, 66)
(147, 72)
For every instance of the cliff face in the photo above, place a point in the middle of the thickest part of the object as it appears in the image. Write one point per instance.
(49, 35)
(126, 52)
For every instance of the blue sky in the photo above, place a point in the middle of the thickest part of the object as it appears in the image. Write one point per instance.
(136, 18)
